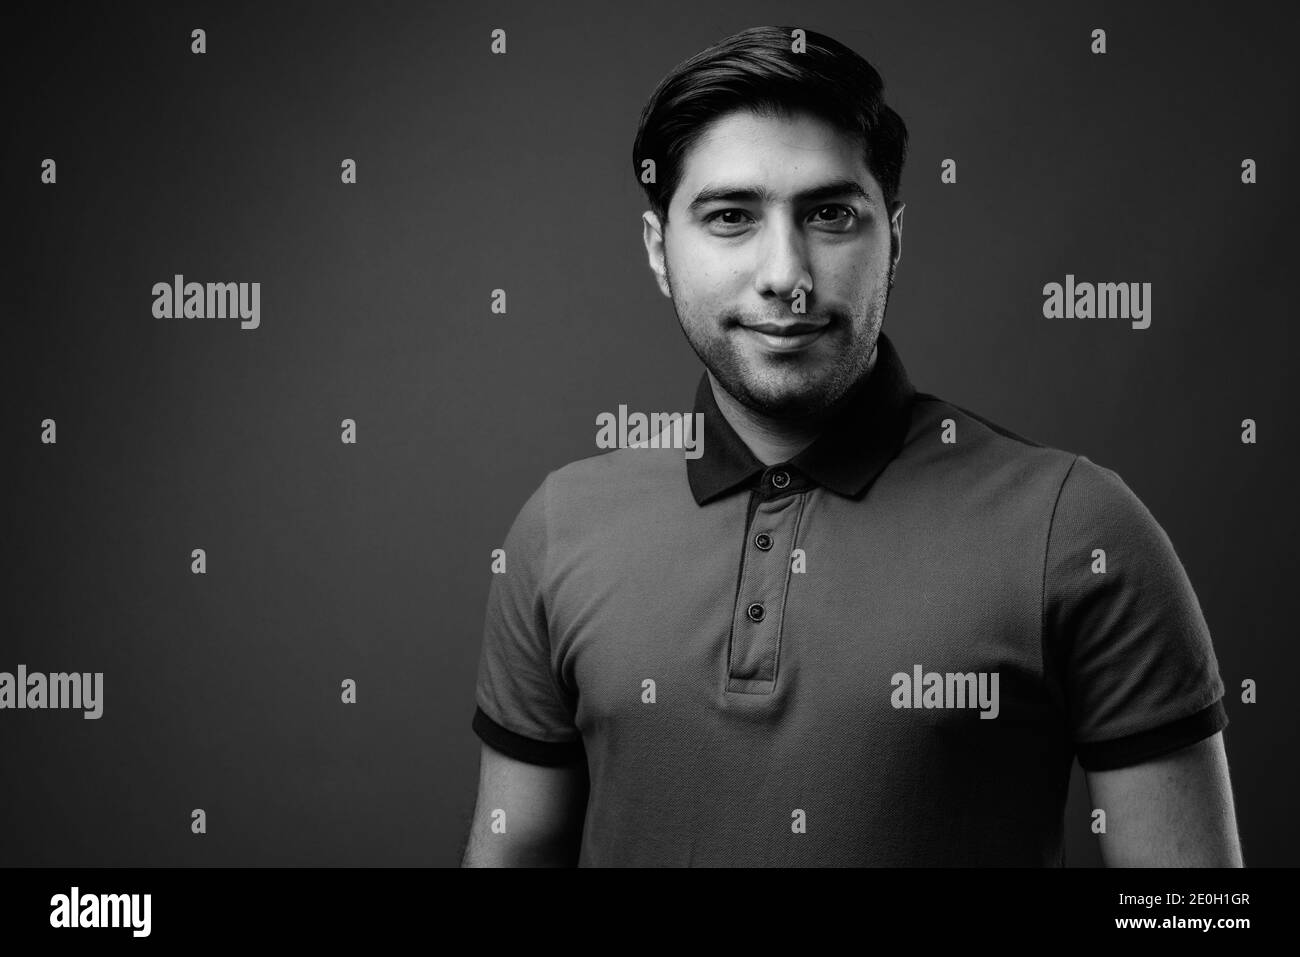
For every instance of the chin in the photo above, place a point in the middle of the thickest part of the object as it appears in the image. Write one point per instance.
(789, 402)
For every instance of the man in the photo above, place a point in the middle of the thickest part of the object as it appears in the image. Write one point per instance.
(866, 626)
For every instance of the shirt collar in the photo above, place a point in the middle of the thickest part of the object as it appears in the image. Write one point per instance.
(861, 438)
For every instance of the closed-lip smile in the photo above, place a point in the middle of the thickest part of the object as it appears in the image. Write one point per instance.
(785, 328)
(785, 336)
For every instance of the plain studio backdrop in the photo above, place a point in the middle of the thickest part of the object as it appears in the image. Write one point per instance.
(328, 561)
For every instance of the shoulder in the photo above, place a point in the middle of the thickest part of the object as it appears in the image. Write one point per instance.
(1080, 498)
(591, 491)
(974, 451)
(928, 407)
(1097, 508)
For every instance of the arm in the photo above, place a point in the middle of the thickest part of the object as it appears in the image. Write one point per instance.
(543, 807)
(1174, 811)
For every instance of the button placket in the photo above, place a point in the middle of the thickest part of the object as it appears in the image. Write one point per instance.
(754, 648)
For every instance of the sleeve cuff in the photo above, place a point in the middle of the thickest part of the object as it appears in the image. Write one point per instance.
(1154, 742)
(515, 745)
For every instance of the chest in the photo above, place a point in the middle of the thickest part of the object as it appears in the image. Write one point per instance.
(810, 604)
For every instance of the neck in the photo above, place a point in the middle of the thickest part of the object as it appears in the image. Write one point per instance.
(774, 440)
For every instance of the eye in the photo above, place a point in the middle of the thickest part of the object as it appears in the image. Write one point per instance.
(712, 217)
(852, 213)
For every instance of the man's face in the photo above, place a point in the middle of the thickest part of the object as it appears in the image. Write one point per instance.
(745, 232)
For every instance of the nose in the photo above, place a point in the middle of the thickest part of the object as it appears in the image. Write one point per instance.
(782, 265)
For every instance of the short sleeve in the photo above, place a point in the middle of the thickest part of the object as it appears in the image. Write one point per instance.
(1126, 640)
(520, 709)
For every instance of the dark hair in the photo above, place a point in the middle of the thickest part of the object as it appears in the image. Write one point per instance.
(756, 70)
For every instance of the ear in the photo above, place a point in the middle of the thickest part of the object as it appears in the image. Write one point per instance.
(896, 232)
(652, 234)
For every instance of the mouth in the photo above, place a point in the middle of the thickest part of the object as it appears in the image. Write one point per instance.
(788, 337)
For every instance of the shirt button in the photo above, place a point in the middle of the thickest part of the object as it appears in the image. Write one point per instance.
(780, 479)
(763, 540)
(756, 612)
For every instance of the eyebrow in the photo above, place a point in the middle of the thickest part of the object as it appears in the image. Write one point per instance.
(750, 194)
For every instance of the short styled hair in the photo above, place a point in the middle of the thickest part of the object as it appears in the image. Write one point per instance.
(755, 69)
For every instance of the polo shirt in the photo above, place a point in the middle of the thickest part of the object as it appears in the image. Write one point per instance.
(886, 651)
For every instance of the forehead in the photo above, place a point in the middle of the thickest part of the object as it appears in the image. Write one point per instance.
(784, 152)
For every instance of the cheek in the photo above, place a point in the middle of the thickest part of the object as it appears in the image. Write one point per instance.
(707, 292)
(703, 267)
(702, 277)
(855, 265)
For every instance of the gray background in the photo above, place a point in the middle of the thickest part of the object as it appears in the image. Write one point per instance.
(371, 561)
